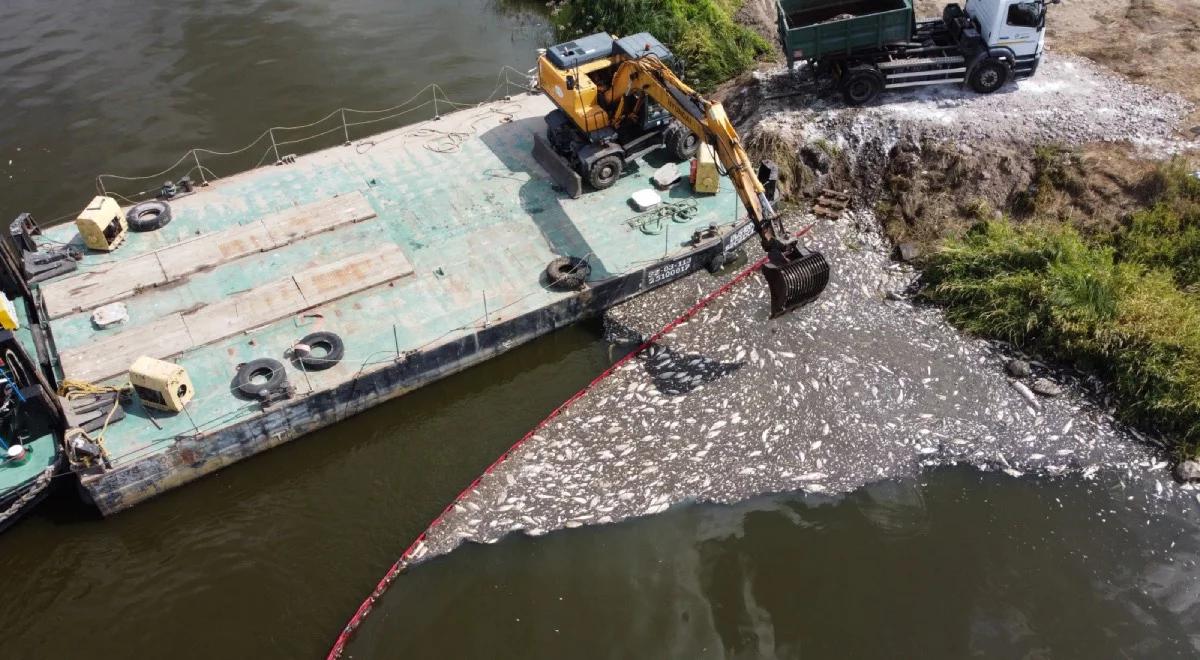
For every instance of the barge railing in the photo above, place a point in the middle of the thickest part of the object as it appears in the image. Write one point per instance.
(340, 121)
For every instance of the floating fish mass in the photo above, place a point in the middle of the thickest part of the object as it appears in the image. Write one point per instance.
(857, 387)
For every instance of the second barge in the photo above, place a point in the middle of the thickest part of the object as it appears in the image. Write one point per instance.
(424, 250)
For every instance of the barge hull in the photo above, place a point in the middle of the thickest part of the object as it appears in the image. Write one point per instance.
(195, 456)
(423, 249)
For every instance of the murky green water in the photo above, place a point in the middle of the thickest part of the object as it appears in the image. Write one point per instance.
(268, 558)
(960, 564)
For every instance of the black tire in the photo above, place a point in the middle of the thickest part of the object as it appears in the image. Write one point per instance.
(681, 143)
(605, 172)
(989, 76)
(951, 12)
(717, 262)
(148, 216)
(861, 84)
(258, 376)
(331, 350)
(568, 273)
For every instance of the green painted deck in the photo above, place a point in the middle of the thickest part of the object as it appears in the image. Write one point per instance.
(472, 215)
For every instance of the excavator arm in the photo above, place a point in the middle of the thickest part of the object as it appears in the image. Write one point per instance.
(794, 274)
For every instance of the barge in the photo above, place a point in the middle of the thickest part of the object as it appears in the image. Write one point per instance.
(400, 259)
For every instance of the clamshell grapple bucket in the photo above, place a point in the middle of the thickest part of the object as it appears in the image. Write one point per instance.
(795, 277)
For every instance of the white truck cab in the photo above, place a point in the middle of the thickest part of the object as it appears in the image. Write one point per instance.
(1019, 25)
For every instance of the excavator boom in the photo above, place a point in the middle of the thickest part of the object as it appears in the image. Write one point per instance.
(603, 86)
(795, 275)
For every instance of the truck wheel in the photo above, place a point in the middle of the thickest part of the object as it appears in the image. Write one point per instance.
(682, 143)
(605, 172)
(989, 76)
(861, 84)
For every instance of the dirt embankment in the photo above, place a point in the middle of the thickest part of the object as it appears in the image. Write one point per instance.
(1076, 144)
(1153, 42)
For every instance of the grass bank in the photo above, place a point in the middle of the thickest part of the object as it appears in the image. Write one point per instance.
(1124, 305)
(703, 33)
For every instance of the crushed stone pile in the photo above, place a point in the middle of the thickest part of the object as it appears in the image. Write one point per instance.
(858, 387)
(1070, 101)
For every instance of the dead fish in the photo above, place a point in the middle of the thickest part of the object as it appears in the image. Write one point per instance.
(1026, 393)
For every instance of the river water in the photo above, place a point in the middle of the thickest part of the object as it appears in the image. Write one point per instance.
(269, 557)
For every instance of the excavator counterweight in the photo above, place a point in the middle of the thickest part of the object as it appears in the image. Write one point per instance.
(619, 99)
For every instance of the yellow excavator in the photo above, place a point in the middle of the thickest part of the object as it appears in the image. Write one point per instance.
(619, 99)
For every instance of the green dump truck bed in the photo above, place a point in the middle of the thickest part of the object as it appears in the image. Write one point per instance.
(814, 29)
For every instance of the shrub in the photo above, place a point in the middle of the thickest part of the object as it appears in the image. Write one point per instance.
(702, 33)
(1123, 311)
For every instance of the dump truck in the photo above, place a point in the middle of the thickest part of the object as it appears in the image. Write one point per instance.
(863, 47)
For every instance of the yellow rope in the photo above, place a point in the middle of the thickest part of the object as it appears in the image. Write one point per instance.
(76, 388)
(71, 389)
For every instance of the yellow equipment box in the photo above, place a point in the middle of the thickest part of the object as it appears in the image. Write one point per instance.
(161, 385)
(102, 225)
(706, 178)
(8, 314)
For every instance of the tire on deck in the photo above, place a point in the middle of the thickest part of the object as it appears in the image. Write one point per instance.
(249, 381)
(333, 349)
(568, 273)
(148, 216)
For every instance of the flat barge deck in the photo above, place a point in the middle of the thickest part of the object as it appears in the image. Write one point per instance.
(423, 248)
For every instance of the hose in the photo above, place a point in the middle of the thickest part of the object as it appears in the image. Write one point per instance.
(654, 222)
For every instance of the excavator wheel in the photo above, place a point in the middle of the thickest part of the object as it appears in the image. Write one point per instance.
(795, 277)
(681, 143)
(605, 172)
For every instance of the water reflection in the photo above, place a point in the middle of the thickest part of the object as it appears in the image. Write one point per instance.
(960, 563)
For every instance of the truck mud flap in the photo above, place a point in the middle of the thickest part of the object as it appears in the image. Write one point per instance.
(560, 171)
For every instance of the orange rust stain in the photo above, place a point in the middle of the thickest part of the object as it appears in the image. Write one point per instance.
(333, 280)
(232, 248)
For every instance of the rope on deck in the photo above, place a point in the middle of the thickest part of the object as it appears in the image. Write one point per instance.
(416, 548)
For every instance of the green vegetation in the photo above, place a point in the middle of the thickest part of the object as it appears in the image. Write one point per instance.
(1125, 306)
(702, 33)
